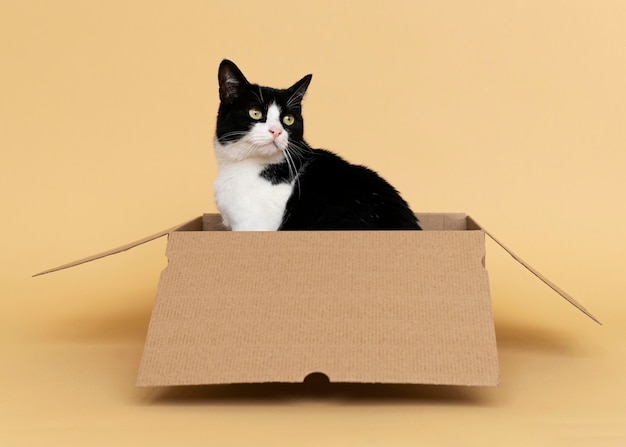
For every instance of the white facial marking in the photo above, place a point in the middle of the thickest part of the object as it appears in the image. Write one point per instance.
(273, 128)
(273, 114)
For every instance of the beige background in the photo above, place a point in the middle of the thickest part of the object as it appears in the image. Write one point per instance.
(512, 111)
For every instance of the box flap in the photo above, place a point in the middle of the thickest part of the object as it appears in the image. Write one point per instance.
(195, 224)
(360, 307)
(553, 286)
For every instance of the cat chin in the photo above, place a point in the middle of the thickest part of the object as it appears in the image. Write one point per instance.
(234, 152)
(268, 150)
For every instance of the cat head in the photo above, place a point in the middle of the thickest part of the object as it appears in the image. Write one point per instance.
(256, 121)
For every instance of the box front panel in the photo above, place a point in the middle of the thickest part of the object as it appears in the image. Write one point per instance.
(393, 307)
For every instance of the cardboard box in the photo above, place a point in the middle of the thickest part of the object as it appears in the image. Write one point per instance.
(409, 307)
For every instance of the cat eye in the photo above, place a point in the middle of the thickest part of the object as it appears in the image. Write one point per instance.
(288, 120)
(255, 113)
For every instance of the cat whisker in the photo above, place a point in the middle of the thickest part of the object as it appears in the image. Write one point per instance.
(296, 151)
(299, 150)
(293, 170)
(227, 136)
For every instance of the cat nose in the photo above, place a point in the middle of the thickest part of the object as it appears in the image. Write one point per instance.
(275, 131)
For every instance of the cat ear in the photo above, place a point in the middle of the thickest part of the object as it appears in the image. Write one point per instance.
(231, 80)
(298, 90)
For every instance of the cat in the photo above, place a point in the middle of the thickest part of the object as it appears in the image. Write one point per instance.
(270, 179)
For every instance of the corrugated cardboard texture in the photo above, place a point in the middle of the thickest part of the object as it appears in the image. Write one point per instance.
(393, 307)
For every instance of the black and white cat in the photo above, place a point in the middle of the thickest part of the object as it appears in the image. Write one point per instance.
(269, 178)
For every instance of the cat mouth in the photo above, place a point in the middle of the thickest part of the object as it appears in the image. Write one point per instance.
(267, 146)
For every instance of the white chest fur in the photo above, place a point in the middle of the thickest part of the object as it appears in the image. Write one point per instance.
(247, 201)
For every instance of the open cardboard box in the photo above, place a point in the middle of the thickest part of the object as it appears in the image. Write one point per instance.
(409, 307)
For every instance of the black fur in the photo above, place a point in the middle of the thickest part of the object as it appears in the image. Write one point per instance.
(329, 193)
(278, 173)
